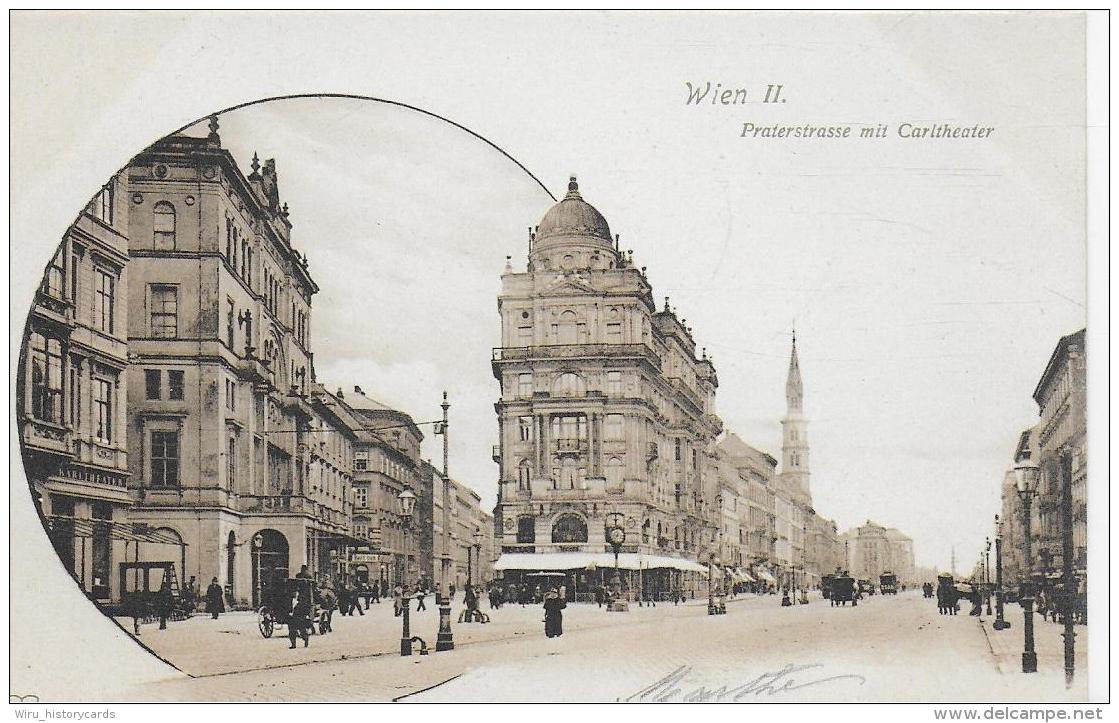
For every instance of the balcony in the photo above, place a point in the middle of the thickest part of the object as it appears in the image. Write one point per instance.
(576, 351)
(254, 370)
(687, 393)
(47, 436)
(497, 454)
(571, 446)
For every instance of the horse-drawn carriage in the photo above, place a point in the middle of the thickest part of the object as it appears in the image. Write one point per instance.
(866, 587)
(888, 583)
(277, 603)
(826, 584)
(841, 590)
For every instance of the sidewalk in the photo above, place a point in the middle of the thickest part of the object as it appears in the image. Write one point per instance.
(1007, 645)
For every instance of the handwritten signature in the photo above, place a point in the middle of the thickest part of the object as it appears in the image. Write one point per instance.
(672, 688)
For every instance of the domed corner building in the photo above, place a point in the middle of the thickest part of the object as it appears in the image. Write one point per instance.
(605, 408)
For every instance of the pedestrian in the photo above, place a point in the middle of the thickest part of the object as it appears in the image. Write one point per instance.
(355, 600)
(420, 599)
(375, 588)
(190, 595)
(215, 599)
(553, 613)
(397, 601)
(299, 619)
(452, 591)
(329, 603)
(785, 601)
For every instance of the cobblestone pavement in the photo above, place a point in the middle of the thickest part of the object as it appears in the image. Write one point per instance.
(886, 649)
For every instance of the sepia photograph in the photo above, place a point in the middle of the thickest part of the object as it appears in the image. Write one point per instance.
(558, 357)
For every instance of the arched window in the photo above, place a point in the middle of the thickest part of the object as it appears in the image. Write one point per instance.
(163, 227)
(526, 530)
(614, 471)
(569, 385)
(568, 330)
(569, 528)
(524, 475)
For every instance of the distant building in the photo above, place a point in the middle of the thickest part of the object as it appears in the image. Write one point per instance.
(387, 462)
(1061, 453)
(874, 549)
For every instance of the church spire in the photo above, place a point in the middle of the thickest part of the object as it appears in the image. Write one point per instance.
(794, 389)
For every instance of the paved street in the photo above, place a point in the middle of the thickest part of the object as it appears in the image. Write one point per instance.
(885, 649)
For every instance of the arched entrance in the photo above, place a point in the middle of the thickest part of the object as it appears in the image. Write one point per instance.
(269, 559)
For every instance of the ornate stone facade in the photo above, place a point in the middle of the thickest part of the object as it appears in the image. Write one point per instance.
(605, 405)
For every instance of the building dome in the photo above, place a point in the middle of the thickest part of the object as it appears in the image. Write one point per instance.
(573, 217)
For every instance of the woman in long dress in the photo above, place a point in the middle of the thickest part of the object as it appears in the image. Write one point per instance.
(553, 614)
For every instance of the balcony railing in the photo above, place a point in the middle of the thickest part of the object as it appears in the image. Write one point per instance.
(574, 351)
(571, 445)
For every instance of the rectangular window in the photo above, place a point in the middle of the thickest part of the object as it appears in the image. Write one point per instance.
(524, 385)
(103, 300)
(152, 382)
(75, 394)
(615, 427)
(524, 335)
(524, 426)
(75, 262)
(46, 378)
(679, 449)
(614, 384)
(361, 497)
(230, 322)
(164, 311)
(614, 333)
(361, 461)
(230, 395)
(103, 410)
(175, 384)
(231, 462)
(165, 459)
(55, 279)
(569, 427)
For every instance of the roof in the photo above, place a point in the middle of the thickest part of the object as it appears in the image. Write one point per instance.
(1072, 343)
(573, 216)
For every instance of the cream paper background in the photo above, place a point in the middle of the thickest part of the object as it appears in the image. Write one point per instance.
(598, 93)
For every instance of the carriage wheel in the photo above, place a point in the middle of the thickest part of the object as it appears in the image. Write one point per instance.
(266, 622)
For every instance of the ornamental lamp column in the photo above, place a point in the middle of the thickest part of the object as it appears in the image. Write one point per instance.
(1025, 477)
(406, 505)
(1000, 622)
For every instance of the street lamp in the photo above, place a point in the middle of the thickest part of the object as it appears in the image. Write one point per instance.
(445, 639)
(987, 573)
(406, 504)
(1025, 478)
(477, 553)
(616, 536)
(258, 542)
(1000, 623)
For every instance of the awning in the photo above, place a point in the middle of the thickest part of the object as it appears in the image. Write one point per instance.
(742, 575)
(127, 531)
(764, 575)
(582, 560)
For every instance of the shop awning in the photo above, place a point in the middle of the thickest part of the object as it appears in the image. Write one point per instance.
(764, 575)
(742, 575)
(543, 561)
(127, 531)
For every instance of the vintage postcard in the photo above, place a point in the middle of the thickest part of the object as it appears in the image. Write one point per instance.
(557, 357)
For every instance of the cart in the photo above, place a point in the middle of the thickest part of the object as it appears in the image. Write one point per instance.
(842, 591)
(275, 608)
(888, 583)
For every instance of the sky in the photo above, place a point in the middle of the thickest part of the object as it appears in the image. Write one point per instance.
(928, 279)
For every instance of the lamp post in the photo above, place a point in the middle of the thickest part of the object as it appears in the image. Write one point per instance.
(258, 542)
(406, 504)
(477, 552)
(445, 640)
(616, 536)
(1025, 477)
(1000, 622)
(1069, 585)
(987, 574)
(711, 583)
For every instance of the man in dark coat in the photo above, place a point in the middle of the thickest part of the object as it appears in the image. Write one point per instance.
(215, 599)
(299, 623)
(553, 613)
